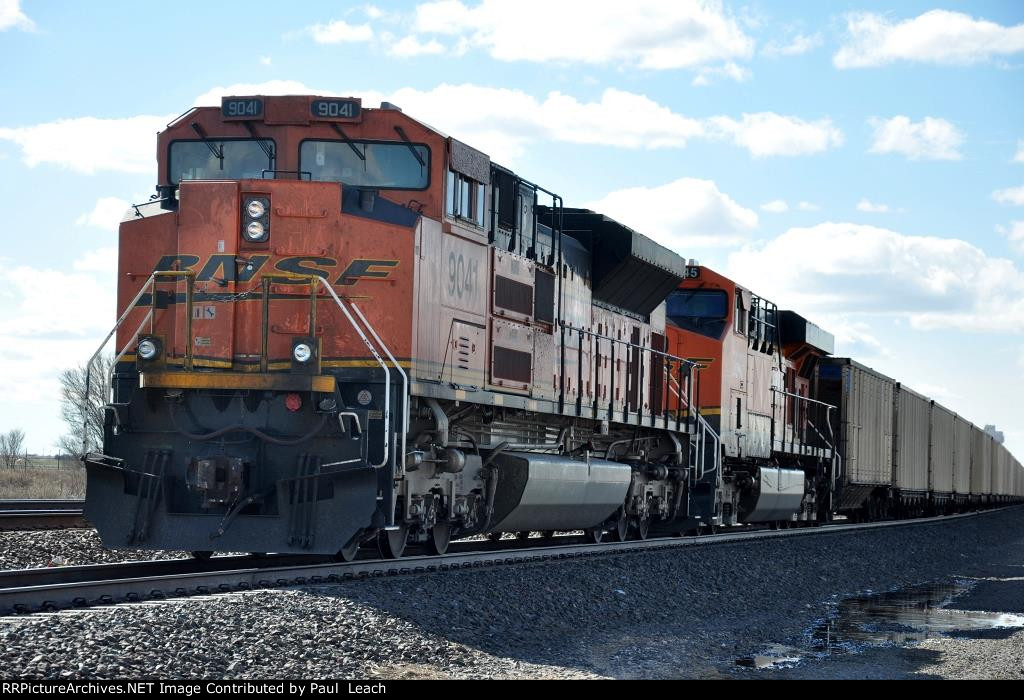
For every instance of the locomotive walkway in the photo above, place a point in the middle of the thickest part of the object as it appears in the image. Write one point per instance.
(32, 590)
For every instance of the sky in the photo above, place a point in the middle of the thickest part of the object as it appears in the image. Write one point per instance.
(860, 164)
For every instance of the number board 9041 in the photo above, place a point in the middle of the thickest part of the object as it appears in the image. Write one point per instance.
(335, 109)
(241, 108)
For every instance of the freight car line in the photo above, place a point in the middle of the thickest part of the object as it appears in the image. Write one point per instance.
(122, 582)
(36, 514)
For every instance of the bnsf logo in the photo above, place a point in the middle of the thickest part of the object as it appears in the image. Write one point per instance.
(229, 268)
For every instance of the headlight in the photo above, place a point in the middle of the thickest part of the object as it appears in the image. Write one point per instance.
(255, 209)
(302, 352)
(256, 219)
(255, 231)
(147, 349)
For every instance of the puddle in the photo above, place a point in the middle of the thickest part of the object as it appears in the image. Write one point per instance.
(774, 656)
(902, 617)
(894, 618)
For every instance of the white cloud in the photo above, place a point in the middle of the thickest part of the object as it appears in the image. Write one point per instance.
(808, 206)
(1019, 157)
(340, 32)
(800, 44)
(75, 304)
(872, 208)
(410, 46)
(212, 97)
(846, 268)
(728, 71)
(498, 121)
(46, 328)
(107, 214)
(930, 139)
(1015, 235)
(681, 215)
(12, 16)
(937, 36)
(854, 338)
(1010, 195)
(266, 60)
(89, 144)
(770, 134)
(102, 260)
(776, 206)
(940, 393)
(648, 34)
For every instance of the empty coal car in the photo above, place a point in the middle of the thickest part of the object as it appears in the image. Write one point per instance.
(904, 454)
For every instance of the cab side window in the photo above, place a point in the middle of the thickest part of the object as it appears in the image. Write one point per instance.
(465, 198)
(741, 314)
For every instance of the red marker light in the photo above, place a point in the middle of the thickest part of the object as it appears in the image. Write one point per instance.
(293, 402)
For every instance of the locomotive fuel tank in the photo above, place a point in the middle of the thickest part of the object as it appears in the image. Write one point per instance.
(776, 494)
(551, 492)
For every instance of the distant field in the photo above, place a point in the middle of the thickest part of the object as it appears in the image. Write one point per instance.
(43, 479)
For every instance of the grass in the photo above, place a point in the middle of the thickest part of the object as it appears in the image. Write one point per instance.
(43, 481)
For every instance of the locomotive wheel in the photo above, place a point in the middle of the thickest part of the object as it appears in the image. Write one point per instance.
(392, 542)
(594, 535)
(709, 529)
(494, 536)
(439, 538)
(643, 527)
(202, 555)
(349, 551)
(523, 535)
(548, 534)
(621, 529)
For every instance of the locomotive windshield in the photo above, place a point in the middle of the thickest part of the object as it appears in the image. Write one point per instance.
(698, 303)
(220, 159)
(367, 164)
(699, 310)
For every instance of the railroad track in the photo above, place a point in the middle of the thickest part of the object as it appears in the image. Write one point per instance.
(38, 514)
(32, 590)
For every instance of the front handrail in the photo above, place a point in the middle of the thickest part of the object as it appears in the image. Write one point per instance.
(315, 281)
(148, 285)
(704, 430)
(405, 380)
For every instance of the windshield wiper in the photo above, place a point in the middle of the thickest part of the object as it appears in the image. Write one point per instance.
(408, 143)
(346, 139)
(265, 144)
(218, 153)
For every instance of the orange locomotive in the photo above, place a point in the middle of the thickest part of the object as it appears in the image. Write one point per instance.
(755, 389)
(339, 326)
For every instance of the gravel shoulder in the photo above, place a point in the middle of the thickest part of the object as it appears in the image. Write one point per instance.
(25, 549)
(687, 613)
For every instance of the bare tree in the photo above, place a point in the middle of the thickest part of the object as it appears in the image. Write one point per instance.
(12, 444)
(82, 409)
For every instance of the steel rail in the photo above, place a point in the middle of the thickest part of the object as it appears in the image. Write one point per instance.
(53, 596)
(42, 520)
(31, 514)
(41, 504)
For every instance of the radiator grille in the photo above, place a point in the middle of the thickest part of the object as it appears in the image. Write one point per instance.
(544, 303)
(512, 295)
(512, 365)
